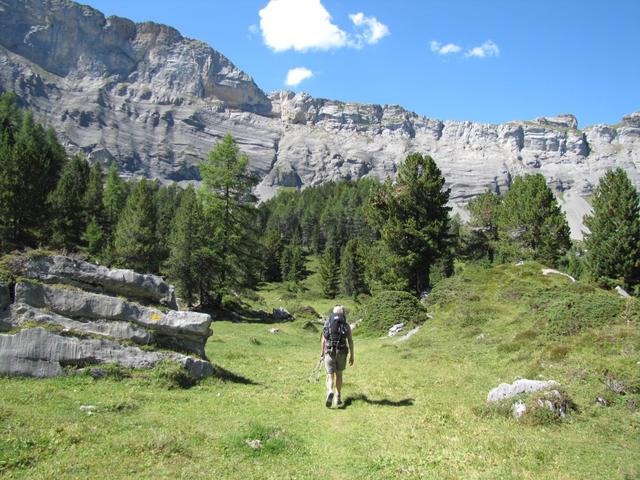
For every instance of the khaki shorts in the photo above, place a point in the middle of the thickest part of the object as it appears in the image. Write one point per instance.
(335, 362)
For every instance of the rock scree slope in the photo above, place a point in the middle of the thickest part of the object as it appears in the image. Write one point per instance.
(55, 319)
(155, 102)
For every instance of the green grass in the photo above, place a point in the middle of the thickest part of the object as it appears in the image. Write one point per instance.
(413, 410)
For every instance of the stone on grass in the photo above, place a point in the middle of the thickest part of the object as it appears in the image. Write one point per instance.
(274, 330)
(395, 329)
(622, 292)
(505, 390)
(61, 269)
(69, 324)
(281, 314)
(551, 271)
(255, 444)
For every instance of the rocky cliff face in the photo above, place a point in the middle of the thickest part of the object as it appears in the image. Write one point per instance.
(156, 103)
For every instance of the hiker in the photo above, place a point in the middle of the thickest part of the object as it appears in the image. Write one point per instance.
(335, 335)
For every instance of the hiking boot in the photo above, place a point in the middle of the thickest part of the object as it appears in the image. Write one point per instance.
(338, 400)
(329, 400)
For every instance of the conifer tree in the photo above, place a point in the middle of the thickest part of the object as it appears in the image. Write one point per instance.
(230, 204)
(135, 240)
(114, 198)
(185, 243)
(93, 196)
(329, 272)
(482, 236)
(68, 206)
(613, 240)
(352, 269)
(531, 225)
(273, 249)
(167, 200)
(413, 219)
(30, 164)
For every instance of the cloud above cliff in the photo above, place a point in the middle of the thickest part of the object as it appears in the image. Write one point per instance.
(304, 25)
(296, 75)
(487, 49)
(440, 49)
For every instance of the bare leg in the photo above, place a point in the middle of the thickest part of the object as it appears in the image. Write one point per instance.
(338, 383)
(330, 382)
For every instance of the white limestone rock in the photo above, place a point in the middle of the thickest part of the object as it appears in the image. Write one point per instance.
(37, 352)
(62, 269)
(505, 390)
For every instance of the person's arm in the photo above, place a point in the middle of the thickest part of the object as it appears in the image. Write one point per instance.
(323, 345)
(350, 340)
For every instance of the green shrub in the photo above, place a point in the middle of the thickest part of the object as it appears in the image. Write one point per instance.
(387, 308)
(573, 309)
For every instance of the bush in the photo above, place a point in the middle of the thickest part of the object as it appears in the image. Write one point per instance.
(387, 308)
(577, 308)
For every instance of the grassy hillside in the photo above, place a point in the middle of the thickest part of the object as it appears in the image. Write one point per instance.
(413, 409)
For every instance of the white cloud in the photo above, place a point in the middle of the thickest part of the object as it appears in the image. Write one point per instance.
(299, 25)
(253, 29)
(437, 47)
(297, 75)
(487, 49)
(303, 25)
(373, 30)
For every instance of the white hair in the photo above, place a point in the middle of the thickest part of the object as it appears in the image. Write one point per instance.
(338, 310)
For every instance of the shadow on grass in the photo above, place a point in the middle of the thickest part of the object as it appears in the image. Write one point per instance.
(243, 313)
(228, 376)
(385, 402)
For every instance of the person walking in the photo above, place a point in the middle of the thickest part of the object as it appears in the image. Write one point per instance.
(336, 334)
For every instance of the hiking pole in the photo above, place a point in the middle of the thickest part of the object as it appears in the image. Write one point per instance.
(316, 370)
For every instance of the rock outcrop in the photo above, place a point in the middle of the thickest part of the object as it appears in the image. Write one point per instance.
(506, 390)
(57, 321)
(155, 102)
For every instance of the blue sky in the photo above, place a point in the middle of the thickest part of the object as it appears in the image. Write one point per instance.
(479, 60)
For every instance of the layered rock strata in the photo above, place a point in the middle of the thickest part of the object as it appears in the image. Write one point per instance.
(155, 103)
(52, 326)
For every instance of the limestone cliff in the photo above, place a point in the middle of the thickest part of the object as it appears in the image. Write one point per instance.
(155, 102)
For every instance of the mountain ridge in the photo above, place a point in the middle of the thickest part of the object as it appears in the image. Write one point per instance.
(156, 102)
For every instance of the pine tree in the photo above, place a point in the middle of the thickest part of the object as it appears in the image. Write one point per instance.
(114, 198)
(94, 238)
(135, 241)
(273, 249)
(329, 272)
(227, 194)
(482, 236)
(613, 242)
(94, 195)
(30, 163)
(413, 219)
(352, 269)
(531, 225)
(186, 242)
(68, 206)
(167, 200)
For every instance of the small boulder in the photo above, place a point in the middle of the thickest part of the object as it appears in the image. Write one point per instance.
(274, 330)
(255, 444)
(395, 329)
(622, 292)
(281, 314)
(505, 390)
